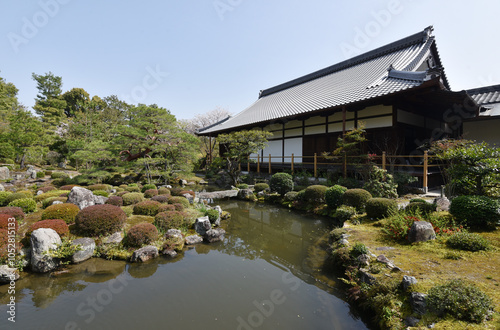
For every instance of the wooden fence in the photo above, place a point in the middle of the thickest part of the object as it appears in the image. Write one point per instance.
(417, 165)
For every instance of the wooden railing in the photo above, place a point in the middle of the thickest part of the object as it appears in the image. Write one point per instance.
(418, 165)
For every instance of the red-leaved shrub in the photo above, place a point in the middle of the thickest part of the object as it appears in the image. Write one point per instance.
(16, 212)
(115, 200)
(140, 234)
(170, 220)
(4, 222)
(98, 220)
(58, 225)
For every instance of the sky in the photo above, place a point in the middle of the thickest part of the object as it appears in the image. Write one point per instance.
(193, 56)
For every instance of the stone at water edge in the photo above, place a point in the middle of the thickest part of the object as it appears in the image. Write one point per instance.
(169, 252)
(87, 247)
(8, 274)
(214, 235)
(144, 254)
(202, 225)
(193, 239)
(173, 233)
(43, 240)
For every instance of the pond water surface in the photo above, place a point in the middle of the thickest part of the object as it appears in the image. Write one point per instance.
(259, 277)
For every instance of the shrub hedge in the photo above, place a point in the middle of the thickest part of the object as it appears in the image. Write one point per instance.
(468, 242)
(161, 198)
(18, 195)
(333, 196)
(27, 204)
(147, 207)
(115, 200)
(179, 200)
(98, 220)
(344, 213)
(170, 220)
(163, 191)
(15, 212)
(281, 183)
(150, 193)
(4, 222)
(140, 234)
(213, 215)
(49, 201)
(315, 194)
(422, 207)
(132, 198)
(94, 187)
(380, 207)
(356, 197)
(476, 211)
(3, 197)
(65, 211)
(260, 187)
(58, 225)
(148, 187)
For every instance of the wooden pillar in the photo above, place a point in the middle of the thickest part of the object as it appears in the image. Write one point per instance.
(258, 163)
(383, 160)
(270, 171)
(315, 166)
(248, 165)
(426, 171)
(292, 163)
(210, 149)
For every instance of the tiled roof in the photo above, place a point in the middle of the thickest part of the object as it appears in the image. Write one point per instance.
(382, 71)
(488, 98)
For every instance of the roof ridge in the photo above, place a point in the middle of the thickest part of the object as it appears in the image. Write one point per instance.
(416, 38)
(485, 89)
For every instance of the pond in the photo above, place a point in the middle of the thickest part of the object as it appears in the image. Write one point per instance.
(259, 277)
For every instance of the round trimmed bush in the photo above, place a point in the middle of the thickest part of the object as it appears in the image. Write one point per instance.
(356, 197)
(121, 193)
(424, 208)
(40, 174)
(163, 191)
(52, 193)
(58, 225)
(315, 194)
(115, 200)
(100, 193)
(27, 204)
(344, 213)
(140, 234)
(98, 220)
(476, 211)
(380, 207)
(95, 187)
(168, 207)
(291, 196)
(460, 299)
(281, 183)
(133, 189)
(260, 187)
(468, 242)
(150, 193)
(176, 191)
(15, 212)
(179, 200)
(65, 211)
(46, 189)
(242, 186)
(59, 175)
(68, 187)
(4, 222)
(160, 198)
(132, 198)
(333, 196)
(170, 220)
(418, 200)
(49, 201)
(3, 197)
(148, 187)
(147, 208)
(18, 195)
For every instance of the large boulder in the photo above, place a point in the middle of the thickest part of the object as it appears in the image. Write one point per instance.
(193, 239)
(83, 197)
(408, 281)
(4, 173)
(421, 231)
(214, 235)
(87, 247)
(202, 225)
(245, 194)
(31, 172)
(43, 240)
(115, 238)
(418, 303)
(144, 254)
(442, 203)
(8, 274)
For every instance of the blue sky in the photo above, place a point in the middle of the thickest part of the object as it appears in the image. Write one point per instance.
(193, 56)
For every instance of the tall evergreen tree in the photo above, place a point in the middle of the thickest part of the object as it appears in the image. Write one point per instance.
(49, 104)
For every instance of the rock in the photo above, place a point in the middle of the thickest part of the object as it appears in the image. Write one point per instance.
(218, 194)
(421, 231)
(113, 191)
(25, 254)
(193, 239)
(245, 194)
(411, 321)
(2, 188)
(43, 240)
(39, 192)
(418, 303)
(384, 248)
(169, 252)
(8, 274)
(203, 182)
(115, 238)
(202, 225)
(83, 197)
(144, 254)
(56, 202)
(363, 260)
(4, 173)
(31, 172)
(173, 233)
(442, 203)
(408, 281)
(189, 197)
(61, 165)
(214, 235)
(343, 242)
(366, 277)
(87, 247)
(183, 182)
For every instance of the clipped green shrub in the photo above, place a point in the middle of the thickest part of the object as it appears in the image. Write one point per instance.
(58, 225)
(333, 196)
(418, 200)
(28, 205)
(260, 187)
(121, 193)
(133, 189)
(179, 200)
(168, 207)
(358, 249)
(98, 220)
(132, 198)
(40, 174)
(423, 208)
(356, 197)
(59, 175)
(150, 193)
(161, 198)
(147, 207)
(163, 191)
(170, 220)
(380, 207)
(344, 213)
(315, 194)
(336, 234)
(140, 234)
(281, 183)
(15, 212)
(65, 211)
(4, 197)
(242, 186)
(476, 211)
(4, 222)
(46, 189)
(94, 187)
(468, 242)
(52, 193)
(291, 196)
(18, 195)
(176, 191)
(461, 300)
(101, 193)
(115, 200)
(148, 186)
(49, 201)
(213, 215)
